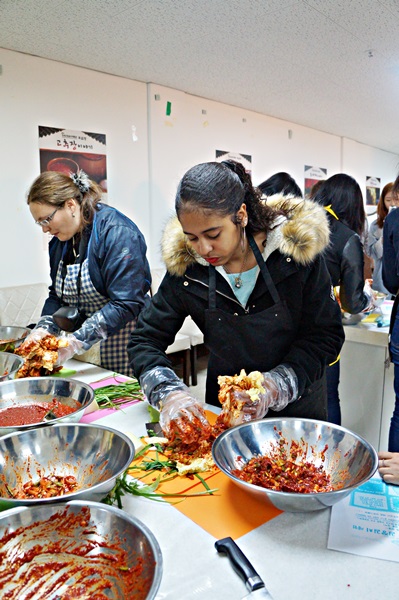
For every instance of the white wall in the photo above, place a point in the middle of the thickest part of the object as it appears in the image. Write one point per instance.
(37, 92)
(142, 175)
(188, 136)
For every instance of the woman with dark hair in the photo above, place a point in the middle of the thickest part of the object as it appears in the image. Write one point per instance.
(342, 199)
(390, 278)
(280, 183)
(252, 277)
(374, 241)
(99, 270)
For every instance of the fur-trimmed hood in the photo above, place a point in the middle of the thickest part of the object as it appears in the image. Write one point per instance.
(303, 235)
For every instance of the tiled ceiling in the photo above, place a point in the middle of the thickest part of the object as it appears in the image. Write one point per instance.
(328, 64)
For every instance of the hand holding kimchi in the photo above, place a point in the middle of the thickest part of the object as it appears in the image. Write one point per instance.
(40, 353)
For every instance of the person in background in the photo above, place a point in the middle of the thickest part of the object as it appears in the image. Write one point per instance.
(99, 270)
(374, 241)
(252, 277)
(390, 279)
(280, 183)
(342, 199)
(388, 467)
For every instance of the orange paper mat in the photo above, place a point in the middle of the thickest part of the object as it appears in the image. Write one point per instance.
(231, 511)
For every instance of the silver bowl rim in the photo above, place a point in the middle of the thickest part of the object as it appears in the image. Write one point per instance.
(49, 377)
(10, 376)
(15, 356)
(27, 329)
(279, 493)
(121, 514)
(92, 488)
(17, 428)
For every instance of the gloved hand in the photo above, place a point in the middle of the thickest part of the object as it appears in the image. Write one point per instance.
(280, 387)
(69, 346)
(181, 415)
(44, 326)
(93, 330)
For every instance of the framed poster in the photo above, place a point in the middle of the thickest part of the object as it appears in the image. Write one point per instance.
(313, 175)
(68, 151)
(244, 159)
(373, 191)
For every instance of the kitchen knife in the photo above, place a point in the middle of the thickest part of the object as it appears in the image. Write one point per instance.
(245, 570)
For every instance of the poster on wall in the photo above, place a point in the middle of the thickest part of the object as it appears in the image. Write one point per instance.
(373, 190)
(68, 151)
(244, 159)
(312, 176)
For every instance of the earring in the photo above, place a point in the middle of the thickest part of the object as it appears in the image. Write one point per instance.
(73, 215)
(243, 238)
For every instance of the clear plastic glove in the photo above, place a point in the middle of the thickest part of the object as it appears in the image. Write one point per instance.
(93, 330)
(44, 326)
(70, 346)
(280, 387)
(182, 417)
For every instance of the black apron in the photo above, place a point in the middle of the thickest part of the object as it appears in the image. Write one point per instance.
(255, 342)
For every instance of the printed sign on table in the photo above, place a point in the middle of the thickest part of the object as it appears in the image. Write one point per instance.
(367, 521)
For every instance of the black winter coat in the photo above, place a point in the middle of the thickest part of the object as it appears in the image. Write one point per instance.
(345, 262)
(305, 286)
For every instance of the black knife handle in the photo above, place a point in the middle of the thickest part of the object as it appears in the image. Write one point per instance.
(241, 564)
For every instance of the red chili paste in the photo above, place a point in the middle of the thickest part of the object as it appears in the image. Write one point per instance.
(27, 414)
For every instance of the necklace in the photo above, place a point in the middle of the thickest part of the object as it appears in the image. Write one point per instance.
(75, 244)
(237, 278)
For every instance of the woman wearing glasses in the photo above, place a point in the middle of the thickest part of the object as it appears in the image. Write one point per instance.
(99, 270)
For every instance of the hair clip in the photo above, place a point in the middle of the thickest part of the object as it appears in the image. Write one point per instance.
(81, 180)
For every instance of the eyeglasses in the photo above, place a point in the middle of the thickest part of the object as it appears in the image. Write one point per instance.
(46, 221)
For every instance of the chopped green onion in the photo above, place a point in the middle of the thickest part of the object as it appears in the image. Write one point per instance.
(113, 396)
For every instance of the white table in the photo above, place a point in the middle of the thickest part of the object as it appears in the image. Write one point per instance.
(289, 552)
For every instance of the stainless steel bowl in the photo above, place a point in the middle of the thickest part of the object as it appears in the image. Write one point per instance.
(349, 459)
(130, 538)
(31, 390)
(94, 454)
(9, 365)
(12, 337)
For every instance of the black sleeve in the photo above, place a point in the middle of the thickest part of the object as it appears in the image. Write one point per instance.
(353, 299)
(156, 329)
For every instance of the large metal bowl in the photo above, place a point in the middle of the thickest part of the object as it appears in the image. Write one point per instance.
(9, 365)
(94, 454)
(12, 337)
(92, 529)
(33, 390)
(348, 458)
